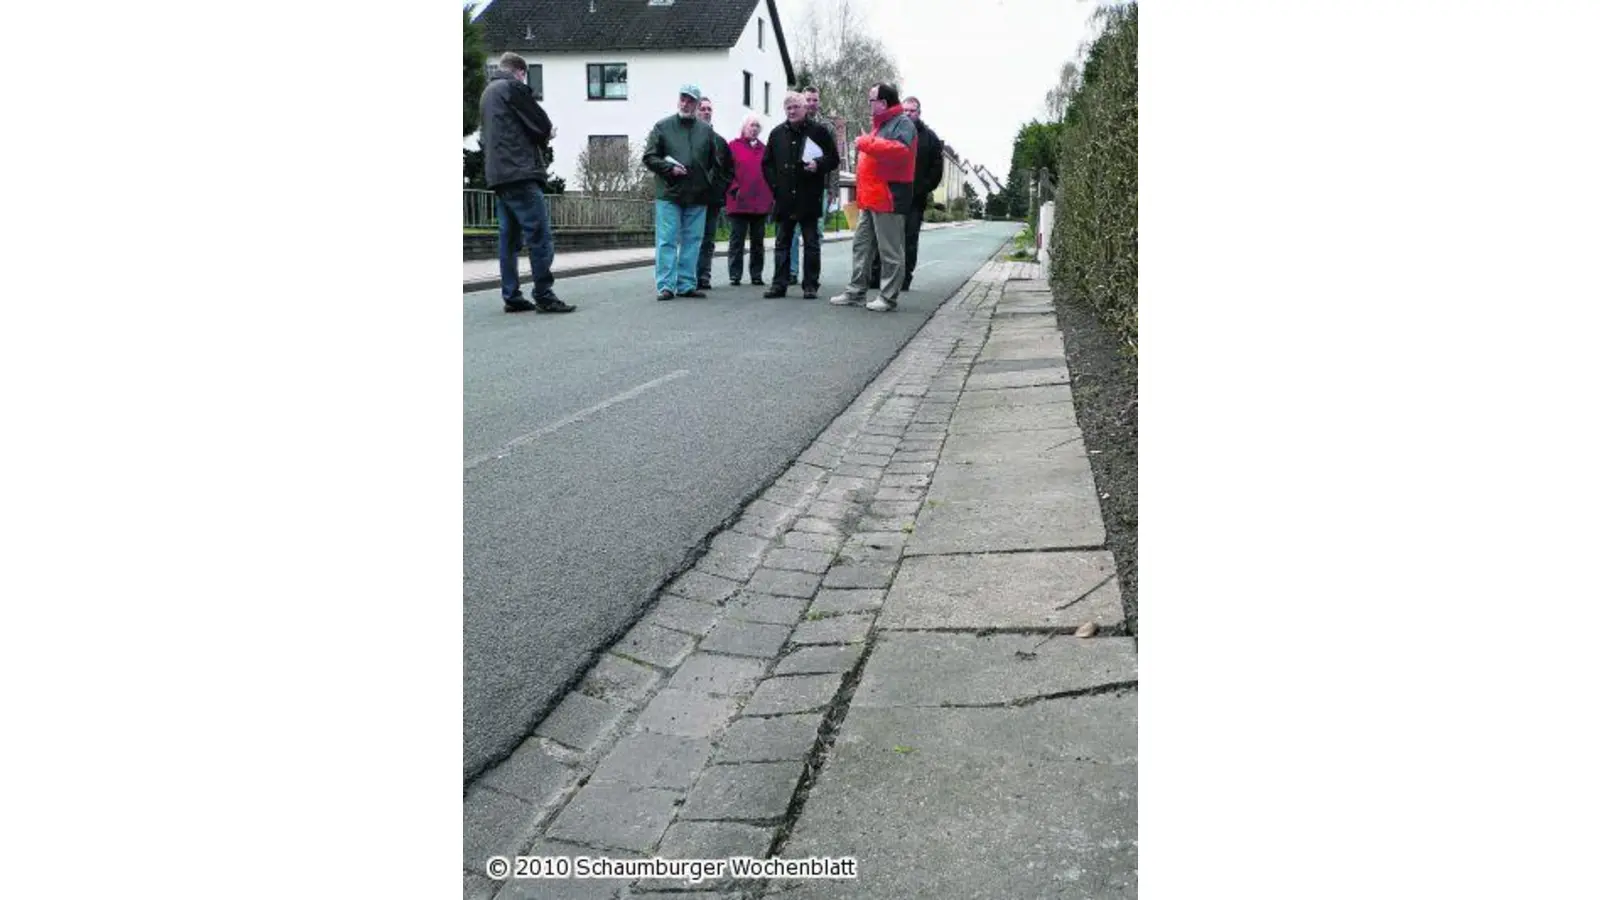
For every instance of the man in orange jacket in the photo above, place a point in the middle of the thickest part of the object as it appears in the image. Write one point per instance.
(885, 173)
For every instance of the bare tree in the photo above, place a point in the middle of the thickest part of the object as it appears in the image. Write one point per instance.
(843, 61)
(609, 168)
(1057, 98)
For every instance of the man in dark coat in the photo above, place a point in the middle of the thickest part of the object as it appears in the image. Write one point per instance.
(719, 191)
(930, 172)
(515, 137)
(797, 188)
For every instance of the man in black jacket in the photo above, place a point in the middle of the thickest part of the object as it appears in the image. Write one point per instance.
(797, 190)
(515, 136)
(930, 172)
(719, 191)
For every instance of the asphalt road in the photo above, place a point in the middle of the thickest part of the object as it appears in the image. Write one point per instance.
(602, 446)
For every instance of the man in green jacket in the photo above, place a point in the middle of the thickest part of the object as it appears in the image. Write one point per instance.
(681, 152)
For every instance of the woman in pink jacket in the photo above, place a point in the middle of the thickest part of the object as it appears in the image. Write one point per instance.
(749, 201)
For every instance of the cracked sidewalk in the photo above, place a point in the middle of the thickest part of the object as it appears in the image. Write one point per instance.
(874, 659)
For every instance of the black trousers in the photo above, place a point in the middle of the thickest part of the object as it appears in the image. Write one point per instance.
(810, 253)
(741, 224)
(913, 231)
(708, 246)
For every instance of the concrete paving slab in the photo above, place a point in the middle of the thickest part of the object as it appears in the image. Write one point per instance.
(1031, 346)
(687, 616)
(714, 673)
(1050, 521)
(769, 739)
(766, 608)
(1010, 447)
(1032, 802)
(744, 791)
(1039, 417)
(1050, 393)
(707, 840)
(657, 646)
(495, 824)
(702, 587)
(820, 543)
(477, 886)
(647, 759)
(834, 629)
(925, 669)
(1005, 590)
(616, 816)
(836, 600)
(688, 713)
(1015, 482)
(784, 582)
(621, 681)
(738, 638)
(860, 575)
(1032, 378)
(531, 773)
(794, 694)
(581, 721)
(820, 659)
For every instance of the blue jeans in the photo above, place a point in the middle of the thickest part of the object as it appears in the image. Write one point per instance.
(523, 212)
(679, 232)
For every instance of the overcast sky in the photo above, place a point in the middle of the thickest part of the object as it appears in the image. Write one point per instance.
(981, 69)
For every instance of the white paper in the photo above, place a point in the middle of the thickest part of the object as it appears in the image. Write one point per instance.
(811, 152)
(673, 162)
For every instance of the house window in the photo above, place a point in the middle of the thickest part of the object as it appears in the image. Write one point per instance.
(608, 81)
(761, 34)
(601, 143)
(766, 97)
(749, 101)
(535, 76)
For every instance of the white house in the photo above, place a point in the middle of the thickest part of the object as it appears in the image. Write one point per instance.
(607, 70)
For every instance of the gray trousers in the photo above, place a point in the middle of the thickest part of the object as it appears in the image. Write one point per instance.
(881, 237)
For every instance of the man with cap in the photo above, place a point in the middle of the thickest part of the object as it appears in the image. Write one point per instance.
(681, 151)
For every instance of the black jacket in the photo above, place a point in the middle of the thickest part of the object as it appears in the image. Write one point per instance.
(515, 133)
(722, 178)
(796, 193)
(691, 142)
(930, 162)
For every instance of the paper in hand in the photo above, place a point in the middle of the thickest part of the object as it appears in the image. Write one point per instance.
(811, 153)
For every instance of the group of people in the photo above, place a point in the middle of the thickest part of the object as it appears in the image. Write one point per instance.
(700, 177)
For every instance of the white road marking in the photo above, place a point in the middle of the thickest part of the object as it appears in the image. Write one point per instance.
(506, 448)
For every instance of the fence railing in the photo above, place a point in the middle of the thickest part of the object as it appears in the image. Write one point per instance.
(566, 211)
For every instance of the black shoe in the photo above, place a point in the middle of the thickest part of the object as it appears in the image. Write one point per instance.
(809, 295)
(755, 282)
(735, 282)
(693, 293)
(777, 290)
(665, 295)
(906, 285)
(703, 286)
(552, 305)
(518, 304)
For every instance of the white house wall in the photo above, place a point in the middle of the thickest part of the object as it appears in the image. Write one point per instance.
(653, 81)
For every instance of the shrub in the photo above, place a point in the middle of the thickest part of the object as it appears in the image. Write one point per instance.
(1094, 246)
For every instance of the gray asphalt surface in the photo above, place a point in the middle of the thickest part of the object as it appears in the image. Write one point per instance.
(602, 446)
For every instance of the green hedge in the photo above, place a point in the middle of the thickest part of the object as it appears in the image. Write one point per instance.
(1094, 246)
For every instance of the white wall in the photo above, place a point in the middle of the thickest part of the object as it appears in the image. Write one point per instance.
(653, 82)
